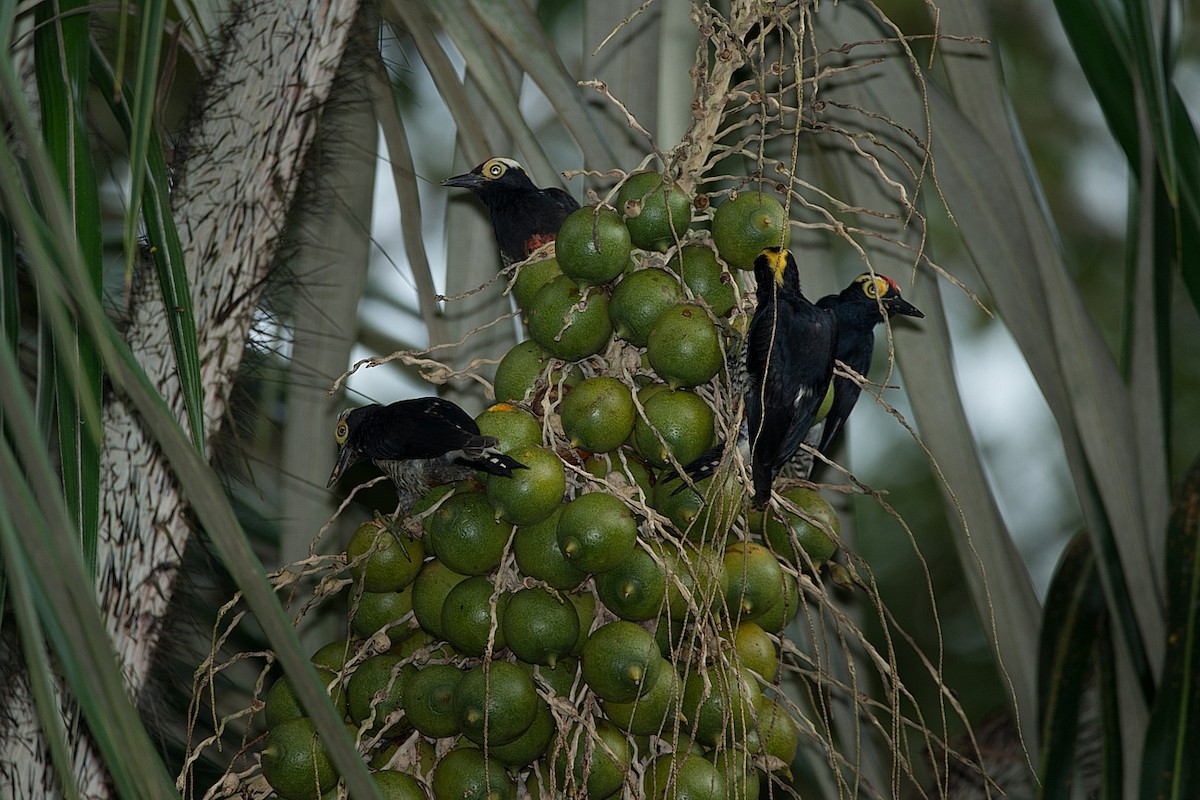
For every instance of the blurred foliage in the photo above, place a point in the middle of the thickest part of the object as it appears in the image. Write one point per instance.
(1079, 169)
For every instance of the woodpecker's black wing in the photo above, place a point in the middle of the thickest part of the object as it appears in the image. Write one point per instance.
(562, 199)
(523, 216)
(858, 308)
(425, 427)
(477, 448)
(789, 362)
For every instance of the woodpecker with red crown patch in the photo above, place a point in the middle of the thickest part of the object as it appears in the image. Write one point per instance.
(858, 309)
(419, 444)
(523, 216)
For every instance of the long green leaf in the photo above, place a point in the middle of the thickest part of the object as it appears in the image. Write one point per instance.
(1073, 620)
(60, 274)
(1065, 351)
(1000, 585)
(10, 323)
(404, 177)
(145, 85)
(1170, 768)
(1147, 66)
(61, 46)
(472, 137)
(65, 600)
(10, 301)
(514, 24)
(1096, 30)
(33, 643)
(1187, 153)
(166, 252)
(1113, 734)
(979, 193)
(1100, 39)
(487, 66)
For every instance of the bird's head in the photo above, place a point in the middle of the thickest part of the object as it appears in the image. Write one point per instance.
(882, 289)
(349, 452)
(493, 174)
(779, 264)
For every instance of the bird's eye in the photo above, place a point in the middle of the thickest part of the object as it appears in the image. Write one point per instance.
(871, 288)
(340, 432)
(494, 169)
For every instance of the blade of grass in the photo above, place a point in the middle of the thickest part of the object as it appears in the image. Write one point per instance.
(1169, 765)
(1073, 619)
(166, 252)
(61, 46)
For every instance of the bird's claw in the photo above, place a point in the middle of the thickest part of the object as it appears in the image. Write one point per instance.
(394, 525)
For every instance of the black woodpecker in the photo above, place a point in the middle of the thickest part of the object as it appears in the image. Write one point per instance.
(524, 217)
(789, 355)
(417, 443)
(858, 308)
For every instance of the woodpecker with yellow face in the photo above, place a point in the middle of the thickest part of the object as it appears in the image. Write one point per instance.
(789, 353)
(858, 309)
(524, 217)
(419, 444)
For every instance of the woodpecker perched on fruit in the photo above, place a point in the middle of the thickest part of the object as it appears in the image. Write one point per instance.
(789, 354)
(858, 309)
(783, 373)
(524, 217)
(417, 443)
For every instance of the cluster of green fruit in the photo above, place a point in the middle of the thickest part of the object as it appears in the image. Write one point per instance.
(580, 636)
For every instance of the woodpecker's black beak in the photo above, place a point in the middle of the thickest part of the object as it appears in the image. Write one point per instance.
(470, 180)
(898, 305)
(345, 459)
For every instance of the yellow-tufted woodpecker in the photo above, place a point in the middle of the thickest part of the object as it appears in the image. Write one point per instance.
(524, 217)
(789, 355)
(858, 309)
(417, 443)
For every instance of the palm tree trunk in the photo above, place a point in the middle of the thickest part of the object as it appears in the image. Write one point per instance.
(237, 179)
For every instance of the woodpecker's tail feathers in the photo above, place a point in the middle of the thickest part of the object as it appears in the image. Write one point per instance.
(477, 446)
(763, 477)
(703, 467)
(493, 463)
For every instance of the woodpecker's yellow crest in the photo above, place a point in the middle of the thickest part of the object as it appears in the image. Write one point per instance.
(777, 260)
